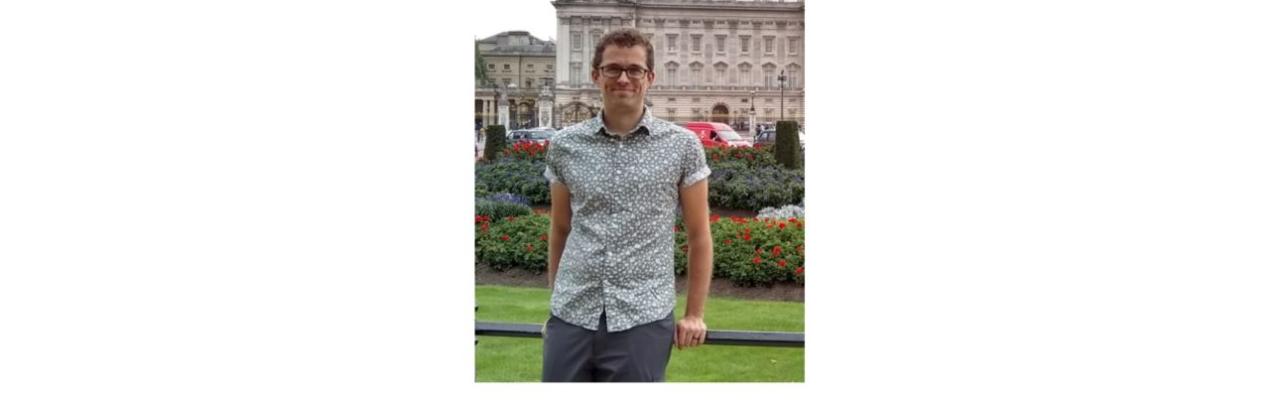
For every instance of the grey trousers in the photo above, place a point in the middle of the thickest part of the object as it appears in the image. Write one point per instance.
(574, 354)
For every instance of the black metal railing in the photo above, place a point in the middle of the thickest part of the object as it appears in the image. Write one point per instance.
(714, 337)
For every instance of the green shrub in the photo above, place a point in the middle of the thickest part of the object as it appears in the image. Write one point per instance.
(786, 150)
(495, 140)
(499, 209)
(518, 177)
(735, 186)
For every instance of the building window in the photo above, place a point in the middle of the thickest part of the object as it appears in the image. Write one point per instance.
(744, 72)
(720, 43)
(549, 68)
(506, 67)
(697, 42)
(490, 66)
(671, 73)
(528, 83)
(697, 100)
(671, 99)
(793, 45)
(671, 42)
(577, 40)
(575, 74)
(770, 76)
(671, 114)
(721, 70)
(696, 71)
(745, 43)
(768, 45)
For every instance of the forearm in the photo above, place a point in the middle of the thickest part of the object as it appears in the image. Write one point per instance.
(556, 239)
(700, 256)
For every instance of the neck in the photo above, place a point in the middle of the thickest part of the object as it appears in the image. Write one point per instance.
(619, 120)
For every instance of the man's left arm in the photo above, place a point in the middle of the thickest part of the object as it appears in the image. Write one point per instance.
(691, 331)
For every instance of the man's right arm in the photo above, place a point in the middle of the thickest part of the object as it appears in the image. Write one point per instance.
(561, 216)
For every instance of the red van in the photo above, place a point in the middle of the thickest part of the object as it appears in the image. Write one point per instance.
(717, 134)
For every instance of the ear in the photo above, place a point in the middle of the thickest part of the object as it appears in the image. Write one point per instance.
(595, 76)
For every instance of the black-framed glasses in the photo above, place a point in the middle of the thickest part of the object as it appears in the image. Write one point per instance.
(613, 71)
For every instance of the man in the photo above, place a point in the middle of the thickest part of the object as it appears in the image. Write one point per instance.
(616, 183)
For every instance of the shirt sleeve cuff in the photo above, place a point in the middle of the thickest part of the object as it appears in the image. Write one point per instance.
(696, 176)
(550, 176)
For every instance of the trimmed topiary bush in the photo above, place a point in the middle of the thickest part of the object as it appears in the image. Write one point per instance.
(786, 150)
(495, 140)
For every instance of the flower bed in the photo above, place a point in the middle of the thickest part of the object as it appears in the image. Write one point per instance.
(749, 252)
(513, 242)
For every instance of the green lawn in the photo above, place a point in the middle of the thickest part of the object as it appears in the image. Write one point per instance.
(511, 359)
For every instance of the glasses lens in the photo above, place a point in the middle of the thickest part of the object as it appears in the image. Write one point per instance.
(635, 72)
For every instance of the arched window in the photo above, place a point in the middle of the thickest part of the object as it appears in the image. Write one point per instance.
(722, 71)
(794, 75)
(744, 74)
(770, 72)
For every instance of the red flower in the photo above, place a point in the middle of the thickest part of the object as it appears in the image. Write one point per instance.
(746, 236)
(715, 218)
(800, 270)
(758, 251)
(777, 250)
(505, 238)
(675, 228)
(800, 249)
(482, 218)
(728, 241)
(792, 220)
(510, 218)
(746, 231)
(542, 238)
(782, 225)
(751, 157)
(484, 226)
(756, 260)
(528, 247)
(782, 262)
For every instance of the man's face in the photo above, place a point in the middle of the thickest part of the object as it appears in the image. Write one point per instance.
(623, 89)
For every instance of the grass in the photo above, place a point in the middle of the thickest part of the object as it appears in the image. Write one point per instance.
(509, 359)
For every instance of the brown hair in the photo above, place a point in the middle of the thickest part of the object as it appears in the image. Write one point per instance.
(624, 37)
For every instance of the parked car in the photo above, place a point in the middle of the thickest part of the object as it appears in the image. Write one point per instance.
(766, 138)
(716, 134)
(540, 136)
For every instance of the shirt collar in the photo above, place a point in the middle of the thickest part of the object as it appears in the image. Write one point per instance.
(645, 127)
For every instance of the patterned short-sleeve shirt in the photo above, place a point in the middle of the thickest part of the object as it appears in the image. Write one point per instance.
(624, 191)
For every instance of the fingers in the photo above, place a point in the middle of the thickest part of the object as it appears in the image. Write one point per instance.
(689, 336)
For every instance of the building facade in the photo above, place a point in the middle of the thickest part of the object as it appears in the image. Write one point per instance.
(714, 60)
(521, 69)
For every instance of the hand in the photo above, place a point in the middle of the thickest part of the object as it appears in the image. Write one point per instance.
(690, 332)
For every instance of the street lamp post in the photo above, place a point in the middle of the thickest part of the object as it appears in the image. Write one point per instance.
(753, 113)
(782, 94)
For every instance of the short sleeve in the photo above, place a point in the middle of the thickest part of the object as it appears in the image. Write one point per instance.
(552, 173)
(694, 162)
